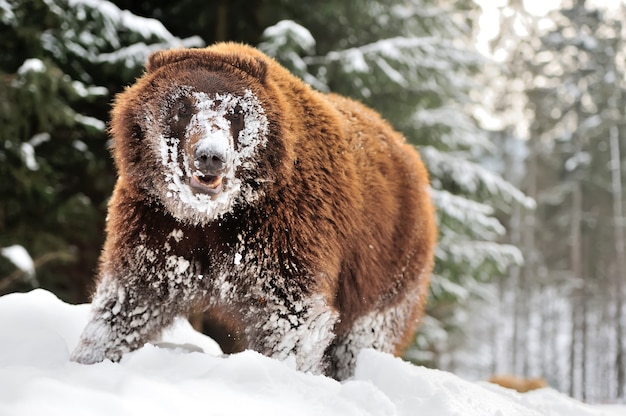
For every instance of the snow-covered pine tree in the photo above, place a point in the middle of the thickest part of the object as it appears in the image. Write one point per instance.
(413, 61)
(61, 62)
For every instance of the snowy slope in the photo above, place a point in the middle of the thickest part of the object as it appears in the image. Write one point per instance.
(38, 331)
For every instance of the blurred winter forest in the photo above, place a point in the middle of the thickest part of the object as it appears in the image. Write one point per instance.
(516, 106)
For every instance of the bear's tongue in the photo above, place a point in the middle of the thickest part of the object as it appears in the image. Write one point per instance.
(207, 184)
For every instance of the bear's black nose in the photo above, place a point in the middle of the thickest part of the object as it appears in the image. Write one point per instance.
(209, 162)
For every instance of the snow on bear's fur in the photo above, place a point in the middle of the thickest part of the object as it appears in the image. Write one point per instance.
(299, 221)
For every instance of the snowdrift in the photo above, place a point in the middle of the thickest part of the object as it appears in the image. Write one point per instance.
(187, 375)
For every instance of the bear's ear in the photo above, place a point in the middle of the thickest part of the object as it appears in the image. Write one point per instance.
(161, 58)
(252, 65)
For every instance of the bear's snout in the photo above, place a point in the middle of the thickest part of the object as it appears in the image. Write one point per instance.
(209, 161)
(212, 159)
(213, 154)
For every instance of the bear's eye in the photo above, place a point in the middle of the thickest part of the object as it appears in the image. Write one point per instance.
(235, 116)
(180, 114)
(184, 109)
(235, 113)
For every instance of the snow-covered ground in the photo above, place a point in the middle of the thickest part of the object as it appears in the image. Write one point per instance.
(38, 331)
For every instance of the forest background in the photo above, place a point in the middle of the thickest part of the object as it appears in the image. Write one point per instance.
(518, 113)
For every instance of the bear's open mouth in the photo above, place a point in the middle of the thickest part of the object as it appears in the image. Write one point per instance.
(207, 184)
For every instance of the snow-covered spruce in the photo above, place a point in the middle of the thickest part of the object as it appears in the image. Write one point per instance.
(300, 222)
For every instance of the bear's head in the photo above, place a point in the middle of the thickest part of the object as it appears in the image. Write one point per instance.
(192, 134)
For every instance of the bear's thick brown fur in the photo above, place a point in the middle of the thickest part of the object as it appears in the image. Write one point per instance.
(298, 220)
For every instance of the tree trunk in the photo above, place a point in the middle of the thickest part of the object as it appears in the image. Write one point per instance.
(575, 265)
(221, 28)
(620, 252)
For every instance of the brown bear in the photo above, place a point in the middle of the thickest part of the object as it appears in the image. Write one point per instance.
(300, 221)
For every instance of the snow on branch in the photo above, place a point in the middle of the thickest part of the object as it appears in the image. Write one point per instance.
(476, 216)
(90, 122)
(21, 259)
(287, 41)
(85, 91)
(105, 33)
(441, 286)
(420, 52)
(475, 254)
(461, 131)
(391, 73)
(286, 33)
(114, 17)
(416, 11)
(34, 70)
(472, 177)
(18, 255)
(31, 65)
(135, 55)
(7, 16)
(420, 65)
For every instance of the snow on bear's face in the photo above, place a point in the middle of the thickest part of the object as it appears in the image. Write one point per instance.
(207, 144)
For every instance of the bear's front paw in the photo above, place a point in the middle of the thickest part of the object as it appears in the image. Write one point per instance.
(87, 353)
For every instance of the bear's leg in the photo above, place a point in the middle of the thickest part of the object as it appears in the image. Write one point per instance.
(122, 319)
(302, 330)
(384, 330)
